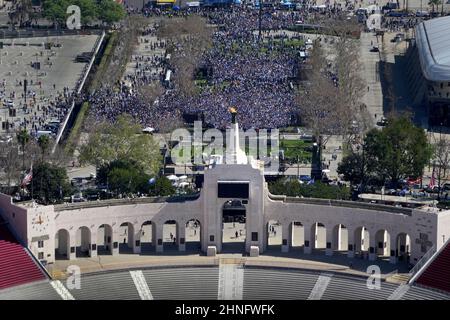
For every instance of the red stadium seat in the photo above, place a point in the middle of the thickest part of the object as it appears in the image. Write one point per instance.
(16, 266)
(437, 274)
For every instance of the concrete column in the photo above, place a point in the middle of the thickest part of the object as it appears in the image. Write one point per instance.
(351, 243)
(393, 253)
(181, 236)
(307, 234)
(136, 241)
(159, 237)
(93, 246)
(373, 247)
(115, 243)
(329, 242)
(71, 254)
(286, 234)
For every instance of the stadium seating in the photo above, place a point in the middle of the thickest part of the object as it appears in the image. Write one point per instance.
(106, 286)
(417, 293)
(355, 288)
(16, 266)
(41, 290)
(437, 274)
(197, 283)
(260, 284)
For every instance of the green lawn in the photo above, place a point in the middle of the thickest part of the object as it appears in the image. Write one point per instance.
(295, 149)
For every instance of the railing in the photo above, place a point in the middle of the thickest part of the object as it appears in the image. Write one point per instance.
(422, 262)
(125, 201)
(78, 89)
(425, 261)
(342, 203)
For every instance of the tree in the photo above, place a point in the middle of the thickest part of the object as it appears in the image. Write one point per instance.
(124, 177)
(351, 167)
(110, 11)
(8, 163)
(23, 137)
(162, 187)
(49, 184)
(44, 144)
(123, 141)
(55, 10)
(398, 151)
(441, 156)
(89, 10)
(433, 4)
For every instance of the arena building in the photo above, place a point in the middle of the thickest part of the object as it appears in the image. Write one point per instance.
(430, 84)
(233, 189)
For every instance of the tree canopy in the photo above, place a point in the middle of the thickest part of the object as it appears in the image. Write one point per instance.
(107, 11)
(398, 151)
(50, 183)
(122, 141)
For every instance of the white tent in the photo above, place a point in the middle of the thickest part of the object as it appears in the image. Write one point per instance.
(183, 177)
(173, 177)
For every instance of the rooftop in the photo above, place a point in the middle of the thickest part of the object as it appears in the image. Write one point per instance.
(433, 43)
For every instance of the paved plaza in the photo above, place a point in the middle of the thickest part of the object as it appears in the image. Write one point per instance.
(49, 86)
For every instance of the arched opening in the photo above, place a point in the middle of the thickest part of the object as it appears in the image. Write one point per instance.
(62, 245)
(233, 226)
(83, 242)
(319, 236)
(104, 240)
(147, 245)
(193, 236)
(403, 247)
(340, 238)
(298, 234)
(383, 243)
(126, 237)
(170, 235)
(274, 235)
(362, 242)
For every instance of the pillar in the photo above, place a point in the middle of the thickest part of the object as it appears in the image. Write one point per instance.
(351, 243)
(159, 237)
(181, 236)
(329, 241)
(72, 253)
(286, 234)
(136, 241)
(307, 234)
(373, 247)
(93, 245)
(393, 253)
(115, 242)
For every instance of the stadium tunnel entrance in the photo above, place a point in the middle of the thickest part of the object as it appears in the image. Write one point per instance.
(234, 226)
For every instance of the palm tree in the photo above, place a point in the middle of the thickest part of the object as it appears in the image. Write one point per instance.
(23, 137)
(44, 143)
(433, 3)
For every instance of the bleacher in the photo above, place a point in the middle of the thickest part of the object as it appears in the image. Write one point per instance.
(267, 284)
(106, 286)
(41, 290)
(192, 283)
(437, 273)
(16, 266)
(355, 288)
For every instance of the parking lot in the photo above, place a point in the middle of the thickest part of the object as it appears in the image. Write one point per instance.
(50, 74)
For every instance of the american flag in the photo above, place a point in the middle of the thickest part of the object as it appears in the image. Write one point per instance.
(27, 179)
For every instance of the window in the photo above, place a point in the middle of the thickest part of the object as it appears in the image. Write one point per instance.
(254, 236)
(211, 238)
(40, 255)
(40, 244)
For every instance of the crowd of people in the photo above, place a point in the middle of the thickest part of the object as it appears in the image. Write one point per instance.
(254, 76)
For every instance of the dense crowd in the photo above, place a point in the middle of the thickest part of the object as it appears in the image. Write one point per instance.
(254, 76)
